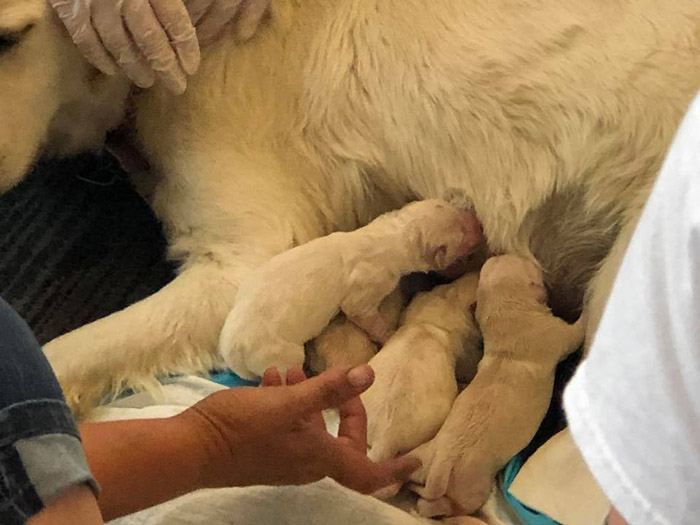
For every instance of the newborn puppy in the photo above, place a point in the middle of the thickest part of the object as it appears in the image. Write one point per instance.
(292, 297)
(415, 383)
(498, 414)
(343, 343)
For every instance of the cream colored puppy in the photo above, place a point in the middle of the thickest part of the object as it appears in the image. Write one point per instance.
(498, 414)
(415, 383)
(343, 343)
(292, 297)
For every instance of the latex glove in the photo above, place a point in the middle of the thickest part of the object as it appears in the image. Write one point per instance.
(275, 435)
(147, 39)
(211, 17)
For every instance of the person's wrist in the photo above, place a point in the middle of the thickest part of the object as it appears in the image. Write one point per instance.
(188, 431)
(207, 446)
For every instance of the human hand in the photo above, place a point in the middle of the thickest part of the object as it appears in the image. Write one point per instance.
(275, 435)
(146, 39)
(210, 17)
(153, 39)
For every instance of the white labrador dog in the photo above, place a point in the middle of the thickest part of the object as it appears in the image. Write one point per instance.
(553, 116)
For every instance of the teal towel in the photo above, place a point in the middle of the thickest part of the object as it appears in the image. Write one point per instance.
(229, 379)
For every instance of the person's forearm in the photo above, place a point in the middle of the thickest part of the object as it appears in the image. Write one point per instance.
(141, 463)
(75, 505)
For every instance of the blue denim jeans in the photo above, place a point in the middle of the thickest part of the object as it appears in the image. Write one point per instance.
(40, 450)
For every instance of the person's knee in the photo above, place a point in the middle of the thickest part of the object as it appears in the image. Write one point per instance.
(25, 372)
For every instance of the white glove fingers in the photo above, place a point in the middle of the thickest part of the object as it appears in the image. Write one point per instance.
(76, 17)
(175, 20)
(198, 8)
(154, 44)
(215, 20)
(118, 42)
(250, 16)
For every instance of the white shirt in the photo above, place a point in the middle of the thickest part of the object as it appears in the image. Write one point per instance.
(634, 404)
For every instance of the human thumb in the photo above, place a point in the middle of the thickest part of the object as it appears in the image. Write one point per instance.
(328, 390)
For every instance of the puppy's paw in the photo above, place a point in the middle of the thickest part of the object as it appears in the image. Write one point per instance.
(251, 361)
(449, 473)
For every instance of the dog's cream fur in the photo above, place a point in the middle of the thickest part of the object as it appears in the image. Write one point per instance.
(498, 414)
(415, 382)
(553, 116)
(291, 298)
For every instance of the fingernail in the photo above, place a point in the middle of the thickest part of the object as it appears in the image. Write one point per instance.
(361, 376)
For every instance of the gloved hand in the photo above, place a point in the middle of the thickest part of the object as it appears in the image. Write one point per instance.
(211, 16)
(149, 39)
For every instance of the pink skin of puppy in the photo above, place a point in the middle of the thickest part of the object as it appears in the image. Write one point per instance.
(498, 414)
(291, 298)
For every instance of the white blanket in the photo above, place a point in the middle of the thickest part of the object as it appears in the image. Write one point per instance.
(320, 503)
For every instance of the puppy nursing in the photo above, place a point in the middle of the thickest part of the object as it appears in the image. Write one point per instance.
(297, 293)
(415, 383)
(465, 439)
(498, 414)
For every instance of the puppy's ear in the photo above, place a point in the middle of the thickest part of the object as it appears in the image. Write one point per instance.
(437, 255)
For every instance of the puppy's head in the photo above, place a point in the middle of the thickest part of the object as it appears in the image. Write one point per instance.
(509, 278)
(51, 98)
(443, 233)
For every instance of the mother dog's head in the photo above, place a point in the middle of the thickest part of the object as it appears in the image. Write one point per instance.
(51, 100)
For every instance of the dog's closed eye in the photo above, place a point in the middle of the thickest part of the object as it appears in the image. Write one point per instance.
(8, 40)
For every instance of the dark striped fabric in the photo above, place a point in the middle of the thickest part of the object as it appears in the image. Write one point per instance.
(76, 244)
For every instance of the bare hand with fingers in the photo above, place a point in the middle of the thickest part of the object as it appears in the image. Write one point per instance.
(275, 435)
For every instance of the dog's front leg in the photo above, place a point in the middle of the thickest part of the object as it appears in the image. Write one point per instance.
(175, 330)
